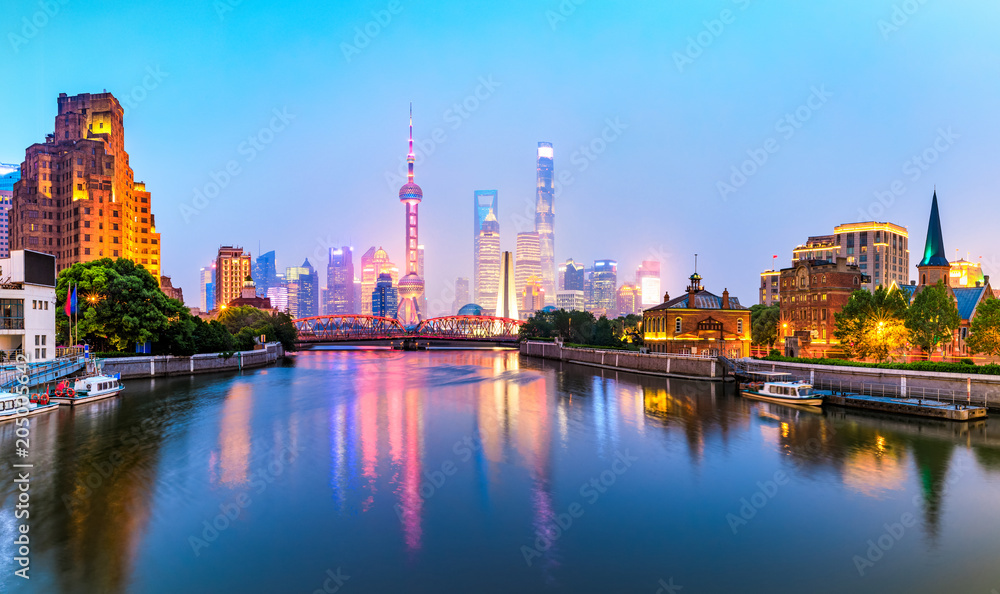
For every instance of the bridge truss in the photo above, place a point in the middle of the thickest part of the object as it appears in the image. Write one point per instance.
(356, 328)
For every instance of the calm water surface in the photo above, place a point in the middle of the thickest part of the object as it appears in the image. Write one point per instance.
(484, 471)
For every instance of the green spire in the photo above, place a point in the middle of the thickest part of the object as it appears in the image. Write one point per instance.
(934, 248)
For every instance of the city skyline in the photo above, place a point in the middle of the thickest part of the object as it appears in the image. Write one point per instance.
(677, 125)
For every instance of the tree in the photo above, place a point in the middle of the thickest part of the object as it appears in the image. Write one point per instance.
(984, 334)
(871, 325)
(246, 323)
(764, 324)
(932, 318)
(119, 304)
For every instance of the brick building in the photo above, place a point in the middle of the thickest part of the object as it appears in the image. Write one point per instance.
(811, 291)
(77, 198)
(698, 323)
(232, 267)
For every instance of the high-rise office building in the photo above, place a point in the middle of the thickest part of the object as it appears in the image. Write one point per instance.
(461, 294)
(647, 278)
(384, 297)
(605, 284)
(487, 271)
(532, 297)
(373, 263)
(573, 276)
(545, 218)
(232, 267)
(506, 298)
(278, 294)
(340, 282)
(303, 290)
(527, 260)
(265, 273)
(571, 300)
(9, 175)
(880, 250)
(207, 285)
(78, 199)
(411, 286)
(484, 202)
(629, 300)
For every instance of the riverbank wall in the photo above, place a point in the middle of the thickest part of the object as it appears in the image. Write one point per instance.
(977, 389)
(666, 365)
(163, 365)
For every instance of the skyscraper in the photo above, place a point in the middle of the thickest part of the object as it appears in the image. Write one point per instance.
(532, 297)
(605, 284)
(411, 286)
(340, 281)
(265, 273)
(647, 278)
(573, 279)
(488, 266)
(373, 263)
(506, 298)
(461, 294)
(527, 263)
(303, 290)
(545, 219)
(78, 199)
(384, 297)
(232, 267)
(484, 201)
(207, 286)
(628, 300)
(9, 175)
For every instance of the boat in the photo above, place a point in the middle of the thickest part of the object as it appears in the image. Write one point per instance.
(88, 388)
(783, 392)
(37, 404)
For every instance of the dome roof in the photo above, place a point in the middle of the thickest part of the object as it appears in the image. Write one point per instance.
(470, 309)
(411, 191)
(380, 255)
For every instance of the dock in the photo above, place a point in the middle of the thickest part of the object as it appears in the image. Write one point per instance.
(906, 406)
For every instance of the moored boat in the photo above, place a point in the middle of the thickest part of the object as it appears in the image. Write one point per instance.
(88, 389)
(783, 393)
(36, 404)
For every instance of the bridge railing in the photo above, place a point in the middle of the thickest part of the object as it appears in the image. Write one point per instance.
(334, 328)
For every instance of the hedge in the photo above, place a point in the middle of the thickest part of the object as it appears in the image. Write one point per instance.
(938, 366)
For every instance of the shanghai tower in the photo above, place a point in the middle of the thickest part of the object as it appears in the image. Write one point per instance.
(411, 286)
(545, 220)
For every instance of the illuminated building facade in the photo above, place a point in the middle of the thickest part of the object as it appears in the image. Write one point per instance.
(206, 278)
(78, 198)
(605, 283)
(484, 202)
(571, 300)
(506, 298)
(545, 217)
(373, 263)
(384, 297)
(411, 286)
(647, 278)
(881, 251)
(811, 292)
(303, 290)
(527, 262)
(769, 292)
(9, 175)
(966, 274)
(698, 323)
(629, 300)
(532, 297)
(340, 281)
(265, 272)
(232, 266)
(572, 276)
(487, 271)
(461, 294)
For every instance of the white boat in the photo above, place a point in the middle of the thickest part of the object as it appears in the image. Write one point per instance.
(11, 402)
(88, 389)
(783, 393)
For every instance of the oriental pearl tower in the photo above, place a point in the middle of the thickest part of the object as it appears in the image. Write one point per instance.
(411, 286)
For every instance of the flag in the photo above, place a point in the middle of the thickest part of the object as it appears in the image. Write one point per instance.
(71, 301)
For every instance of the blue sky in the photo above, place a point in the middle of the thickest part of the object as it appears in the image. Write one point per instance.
(669, 96)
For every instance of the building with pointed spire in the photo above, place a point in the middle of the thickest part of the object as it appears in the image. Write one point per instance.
(934, 265)
(411, 286)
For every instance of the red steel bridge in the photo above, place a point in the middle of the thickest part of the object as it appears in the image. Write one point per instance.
(333, 329)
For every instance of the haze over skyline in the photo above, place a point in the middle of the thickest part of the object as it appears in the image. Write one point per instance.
(678, 96)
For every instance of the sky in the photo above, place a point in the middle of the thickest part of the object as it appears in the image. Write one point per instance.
(732, 129)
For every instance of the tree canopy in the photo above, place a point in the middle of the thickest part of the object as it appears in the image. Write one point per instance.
(932, 317)
(764, 324)
(871, 325)
(984, 335)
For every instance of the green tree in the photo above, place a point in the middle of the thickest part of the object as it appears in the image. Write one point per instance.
(932, 318)
(984, 334)
(246, 323)
(119, 304)
(871, 325)
(764, 324)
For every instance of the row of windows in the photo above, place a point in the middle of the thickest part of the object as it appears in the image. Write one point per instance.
(39, 304)
(659, 325)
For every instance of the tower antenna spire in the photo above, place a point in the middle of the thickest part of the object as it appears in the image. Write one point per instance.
(410, 157)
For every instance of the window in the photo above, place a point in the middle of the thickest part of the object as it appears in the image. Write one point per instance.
(677, 325)
(739, 326)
